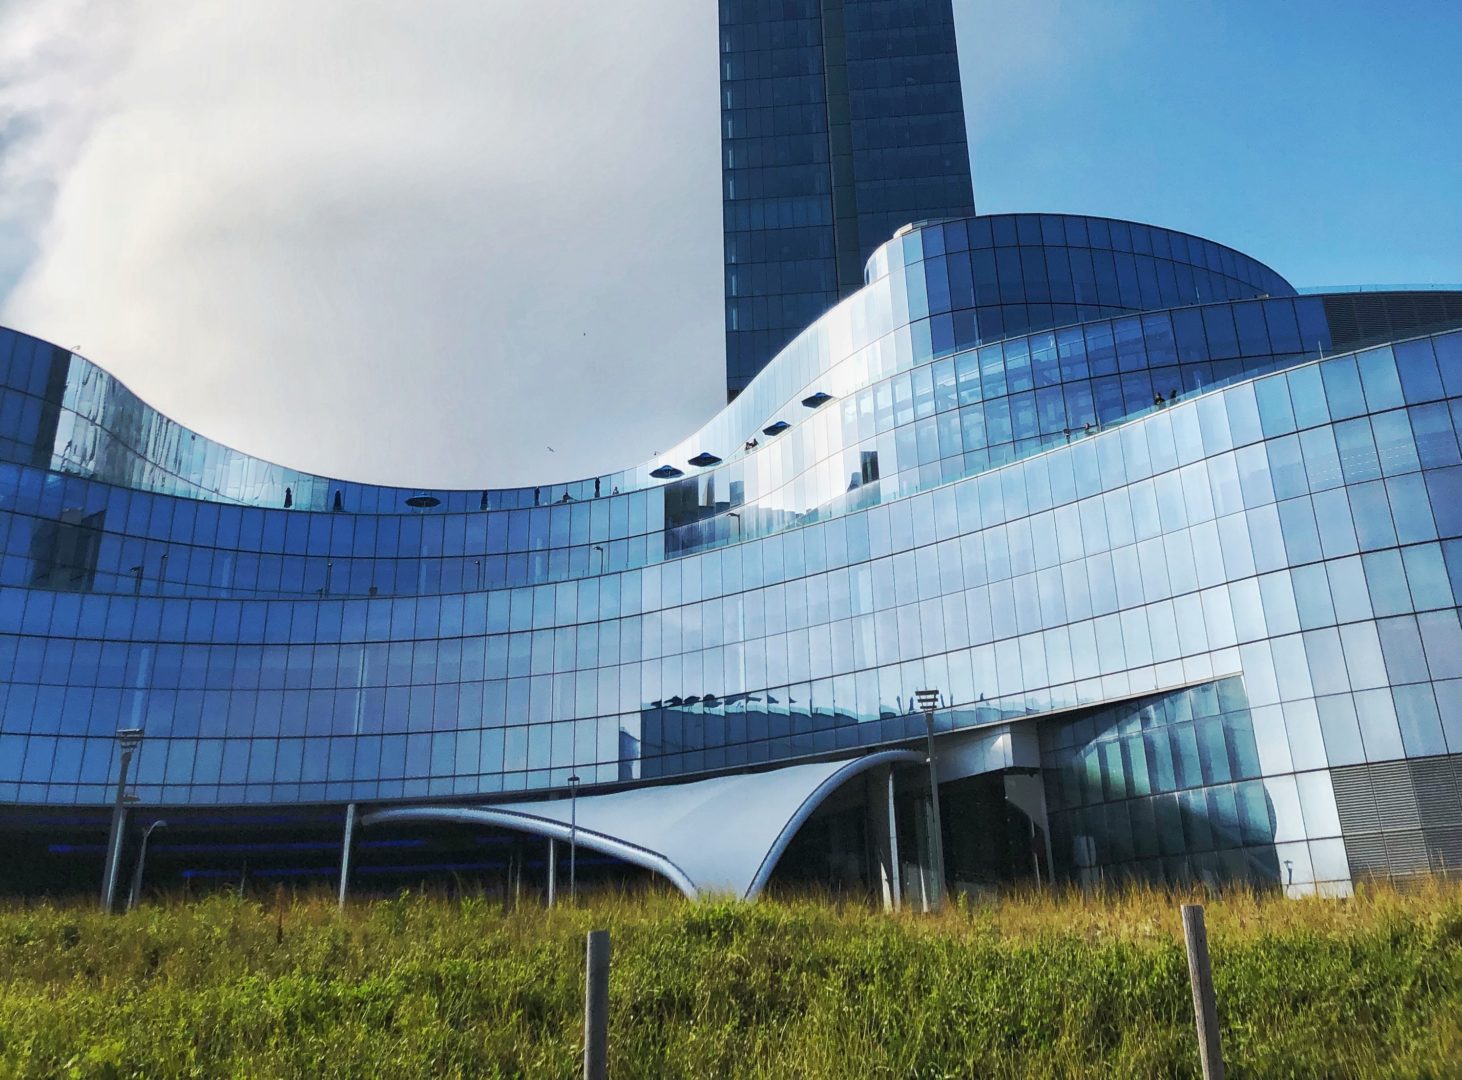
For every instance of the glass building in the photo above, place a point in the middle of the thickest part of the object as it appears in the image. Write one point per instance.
(841, 120)
(1179, 547)
(1186, 573)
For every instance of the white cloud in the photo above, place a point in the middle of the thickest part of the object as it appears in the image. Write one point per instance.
(409, 243)
(49, 82)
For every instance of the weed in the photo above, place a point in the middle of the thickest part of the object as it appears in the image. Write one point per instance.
(1036, 984)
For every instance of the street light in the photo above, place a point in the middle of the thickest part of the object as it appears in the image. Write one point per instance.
(599, 548)
(573, 835)
(141, 859)
(129, 739)
(737, 516)
(929, 701)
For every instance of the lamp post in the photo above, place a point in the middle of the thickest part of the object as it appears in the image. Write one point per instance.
(929, 701)
(141, 859)
(129, 739)
(737, 516)
(573, 836)
(600, 549)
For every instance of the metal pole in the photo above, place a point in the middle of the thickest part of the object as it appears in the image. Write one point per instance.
(345, 853)
(136, 890)
(929, 700)
(896, 872)
(552, 871)
(129, 738)
(1205, 1004)
(1035, 857)
(573, 837)
(596, 1007)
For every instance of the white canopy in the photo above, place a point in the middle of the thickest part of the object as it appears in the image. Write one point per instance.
(717, 836)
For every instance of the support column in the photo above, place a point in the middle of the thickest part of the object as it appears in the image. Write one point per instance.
(1026, 791)
(552, 872)
(883, 837)
(129, 738)
(922, 849)
(345, 852)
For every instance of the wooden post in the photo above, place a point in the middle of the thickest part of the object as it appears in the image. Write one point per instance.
(596, 1007)
(1205, 1005)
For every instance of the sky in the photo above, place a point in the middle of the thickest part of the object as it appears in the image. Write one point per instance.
(457, 244)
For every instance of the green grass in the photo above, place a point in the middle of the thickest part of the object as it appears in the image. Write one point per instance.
(1031, 986)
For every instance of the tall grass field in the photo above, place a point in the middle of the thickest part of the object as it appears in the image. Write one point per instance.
(1037, 985)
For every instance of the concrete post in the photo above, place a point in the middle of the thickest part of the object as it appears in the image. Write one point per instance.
(552, 872)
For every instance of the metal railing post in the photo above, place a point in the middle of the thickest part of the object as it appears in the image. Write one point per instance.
(596, 1006)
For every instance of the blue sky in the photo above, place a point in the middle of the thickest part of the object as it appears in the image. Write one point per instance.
(421, 250)
(1323, 138)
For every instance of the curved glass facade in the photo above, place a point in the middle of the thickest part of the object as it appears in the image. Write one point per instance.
(1210, 563)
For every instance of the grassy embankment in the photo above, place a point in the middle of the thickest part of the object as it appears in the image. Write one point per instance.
(1033, 986)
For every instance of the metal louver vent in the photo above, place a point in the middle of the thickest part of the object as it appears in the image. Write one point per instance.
(1406, 852)
(1444, 848)
(1354, 800)
(1358, 319)
(1367, 855)
(1437, 797)
(1401, 817)
(1395, 799)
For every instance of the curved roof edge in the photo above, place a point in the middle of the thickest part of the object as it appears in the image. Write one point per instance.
(776, 389)
(547, 828)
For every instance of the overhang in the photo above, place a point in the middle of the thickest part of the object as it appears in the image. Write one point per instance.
(718, 836)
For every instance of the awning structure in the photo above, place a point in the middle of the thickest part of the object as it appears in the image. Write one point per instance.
(721, 836)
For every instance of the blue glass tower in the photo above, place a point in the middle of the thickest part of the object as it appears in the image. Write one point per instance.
(841, 120)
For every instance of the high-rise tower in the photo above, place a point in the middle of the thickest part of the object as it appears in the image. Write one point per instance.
(841, 120)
